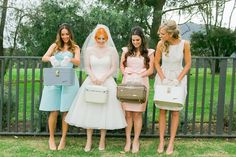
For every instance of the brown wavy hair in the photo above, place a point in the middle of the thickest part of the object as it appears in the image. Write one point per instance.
(143, 47)
(59, 42)
(171, 28)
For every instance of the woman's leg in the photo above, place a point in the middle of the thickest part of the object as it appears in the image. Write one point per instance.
(52, 122)
(174, 126)
(102, 140)
(128, 129)
(162, 127)
(89, 140)
(137, 116)
(64, 132)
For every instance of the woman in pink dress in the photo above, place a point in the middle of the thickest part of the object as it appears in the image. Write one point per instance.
(136, 65)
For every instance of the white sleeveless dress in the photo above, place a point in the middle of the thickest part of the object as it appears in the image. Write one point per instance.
(172, 67)
(97, 116)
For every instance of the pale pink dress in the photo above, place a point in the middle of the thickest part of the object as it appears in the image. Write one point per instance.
(135, 65)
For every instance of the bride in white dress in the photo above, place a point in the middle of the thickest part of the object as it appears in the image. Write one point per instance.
(101, 62)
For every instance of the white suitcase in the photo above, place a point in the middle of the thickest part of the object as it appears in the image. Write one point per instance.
(169, 97)
(96, 94)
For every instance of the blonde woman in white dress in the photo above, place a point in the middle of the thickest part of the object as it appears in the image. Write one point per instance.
(100, 61)
(171, 50)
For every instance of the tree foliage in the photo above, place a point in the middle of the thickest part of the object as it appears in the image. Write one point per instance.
(218, 41)
(39, 31)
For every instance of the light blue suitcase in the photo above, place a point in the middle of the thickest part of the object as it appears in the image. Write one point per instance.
(58, 76)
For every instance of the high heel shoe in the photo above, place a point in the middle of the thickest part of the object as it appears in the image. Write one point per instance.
(160, 149)
(87, 148)
(135, 148)
(101, 146)
(61, 145)
(127, 147)
(169, 151)
(52, 145)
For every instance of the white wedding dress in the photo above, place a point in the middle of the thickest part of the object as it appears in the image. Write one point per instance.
(97, 116)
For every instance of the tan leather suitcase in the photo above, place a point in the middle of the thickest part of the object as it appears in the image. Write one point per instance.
(131, 93)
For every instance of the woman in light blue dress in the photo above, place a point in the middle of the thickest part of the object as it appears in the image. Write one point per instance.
(63, 53)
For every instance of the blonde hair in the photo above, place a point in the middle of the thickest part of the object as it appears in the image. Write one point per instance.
(171, 28)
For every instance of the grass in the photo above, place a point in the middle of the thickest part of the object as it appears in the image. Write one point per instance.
(184, 147)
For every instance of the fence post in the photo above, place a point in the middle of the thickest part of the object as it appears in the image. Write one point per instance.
(221, 97)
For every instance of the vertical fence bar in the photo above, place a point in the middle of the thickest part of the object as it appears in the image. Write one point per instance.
(203, 96)
(221, 98)
(2, 92)
(212, 94)
(40, 94)
(153, 117)
(47, 129)
(185, 126)
(145, 119)
(169, 122)
(25, 94)
(231, 107)
(80, 77)
(17, 94)
(9, 96)
(195, 96)
(32, 97)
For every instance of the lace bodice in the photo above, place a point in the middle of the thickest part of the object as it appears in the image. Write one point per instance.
(100, 65)
(174, 59)
(60, 56)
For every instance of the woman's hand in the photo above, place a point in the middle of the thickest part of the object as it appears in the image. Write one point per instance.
(175, 82)
(143, 74)
(165, 81)
(54, 61)
(65, 61)
(101, 80)
(93, 79)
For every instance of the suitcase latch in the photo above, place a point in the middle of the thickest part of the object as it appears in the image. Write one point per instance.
(168, 90)
(57, 72)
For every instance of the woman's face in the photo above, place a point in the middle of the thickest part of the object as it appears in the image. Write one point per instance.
(164, 36)
(101, 40)
(65, 35)
(136, 41)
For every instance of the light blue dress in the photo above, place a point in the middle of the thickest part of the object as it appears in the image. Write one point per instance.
(59, 98)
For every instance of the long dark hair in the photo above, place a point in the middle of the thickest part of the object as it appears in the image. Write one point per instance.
(143, 47)
(59, 42)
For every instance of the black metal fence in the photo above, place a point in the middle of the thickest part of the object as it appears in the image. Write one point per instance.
(209, 111)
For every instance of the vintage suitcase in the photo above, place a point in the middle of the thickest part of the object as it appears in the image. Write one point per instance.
(131, 93)
(169, 97)
(96, 94)
(58, 76)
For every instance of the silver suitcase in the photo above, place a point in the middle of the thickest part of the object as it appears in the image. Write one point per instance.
(58, 76)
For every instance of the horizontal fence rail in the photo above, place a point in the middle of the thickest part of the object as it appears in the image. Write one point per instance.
(209, 108)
